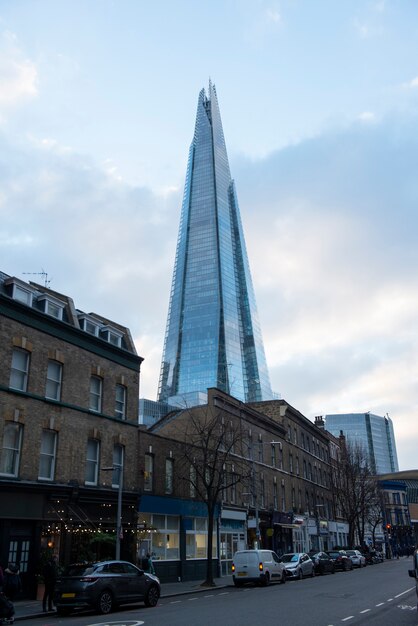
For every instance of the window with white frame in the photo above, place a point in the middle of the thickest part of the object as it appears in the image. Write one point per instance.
(96, 386)
(118, 456)
(148, 472)
(169, 475)
(273, 455)
(48, 455)
(165, 538)
(12, 444)
(120, 402)
(53, 380)
(92, 462)
(20, 370)
(22, 295)
(197, 538)
(52, 306)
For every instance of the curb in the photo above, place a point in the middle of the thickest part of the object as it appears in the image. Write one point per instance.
(198, 589)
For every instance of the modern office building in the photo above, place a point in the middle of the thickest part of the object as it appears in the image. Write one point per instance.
(373, 432)
(213, 336)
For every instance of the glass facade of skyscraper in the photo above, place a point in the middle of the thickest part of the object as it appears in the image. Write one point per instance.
(374, 433)
(213, 337)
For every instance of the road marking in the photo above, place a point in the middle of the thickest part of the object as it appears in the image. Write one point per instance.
(404, 592)
(347, 618)
(119, 623)
(175, 602)
(380, 604)
(208, 596)
(365, 611)
(389, 600)
(191, 599)
(224, 593)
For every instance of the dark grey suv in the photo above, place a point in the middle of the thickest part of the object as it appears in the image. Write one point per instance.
(103, 586)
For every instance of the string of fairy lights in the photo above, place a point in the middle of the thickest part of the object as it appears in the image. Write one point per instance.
(67, 524)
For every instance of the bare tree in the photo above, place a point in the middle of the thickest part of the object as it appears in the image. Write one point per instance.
(210, 445)
(354, 488)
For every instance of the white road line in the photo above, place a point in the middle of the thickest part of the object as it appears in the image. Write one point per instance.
(404, 592)
(175, 602)
(190, 599)
(347, 618)
(380, 604)
(365, 611)
(224, 593)
(389, 600)
(209, 596)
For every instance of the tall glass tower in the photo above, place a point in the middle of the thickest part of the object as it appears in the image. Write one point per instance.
(213, 336)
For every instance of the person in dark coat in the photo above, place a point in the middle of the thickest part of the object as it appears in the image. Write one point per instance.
(49, 574)
(12, 583)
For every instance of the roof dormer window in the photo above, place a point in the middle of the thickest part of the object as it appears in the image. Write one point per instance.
(51, 306)
(89, 325)
(20, 291)
(111, 335)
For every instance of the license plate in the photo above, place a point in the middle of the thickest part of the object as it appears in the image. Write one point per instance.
(68, 595)
(242, 573)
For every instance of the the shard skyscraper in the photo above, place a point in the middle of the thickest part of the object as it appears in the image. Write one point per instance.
(213, 336)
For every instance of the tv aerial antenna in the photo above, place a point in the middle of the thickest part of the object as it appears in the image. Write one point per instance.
(47, 281)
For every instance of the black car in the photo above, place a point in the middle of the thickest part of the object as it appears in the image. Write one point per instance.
(341, 560)
(323, 562)
(103, 586)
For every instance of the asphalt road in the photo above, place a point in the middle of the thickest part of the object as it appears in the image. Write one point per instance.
(378, 595)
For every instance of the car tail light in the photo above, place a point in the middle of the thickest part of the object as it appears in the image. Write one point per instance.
(233, 567)
(260, 567)
(89, 579)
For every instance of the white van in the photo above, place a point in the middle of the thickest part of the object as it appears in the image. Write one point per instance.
(257, 566)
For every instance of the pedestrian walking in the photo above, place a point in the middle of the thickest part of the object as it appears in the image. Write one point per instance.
(49, 573)
(12, 584)
(150, 564)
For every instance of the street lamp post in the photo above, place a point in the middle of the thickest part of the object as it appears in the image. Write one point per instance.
(118, 469)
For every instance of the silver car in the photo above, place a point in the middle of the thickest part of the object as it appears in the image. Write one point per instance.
(298, 565)
(103, 586)
(358, 559)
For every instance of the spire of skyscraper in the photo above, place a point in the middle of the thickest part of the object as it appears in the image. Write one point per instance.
(213, 337)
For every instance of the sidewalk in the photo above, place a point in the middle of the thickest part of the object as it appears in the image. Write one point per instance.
(25, 609)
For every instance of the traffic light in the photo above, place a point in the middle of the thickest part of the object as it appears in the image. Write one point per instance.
(388, 526)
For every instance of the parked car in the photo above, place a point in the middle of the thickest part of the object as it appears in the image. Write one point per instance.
(414, 571)
(257, 566)
(341, 560)
(103, 586)
(358, 559)
(298, 565)
(322, 562)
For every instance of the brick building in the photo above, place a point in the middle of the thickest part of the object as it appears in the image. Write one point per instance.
(287, 502)
(69, 386)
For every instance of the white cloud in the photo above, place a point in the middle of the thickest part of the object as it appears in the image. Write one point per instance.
(412, 84)
(367, 116)
(18, 75)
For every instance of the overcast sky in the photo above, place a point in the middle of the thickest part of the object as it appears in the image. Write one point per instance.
(319, 102)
